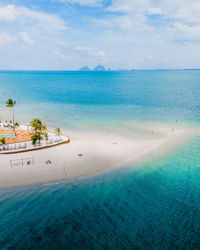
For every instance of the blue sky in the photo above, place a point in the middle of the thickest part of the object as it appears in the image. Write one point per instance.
(121, 34)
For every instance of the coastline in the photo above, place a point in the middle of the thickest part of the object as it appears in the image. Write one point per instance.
(92, 153)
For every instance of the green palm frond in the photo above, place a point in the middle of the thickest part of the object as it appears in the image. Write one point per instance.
(10, 103)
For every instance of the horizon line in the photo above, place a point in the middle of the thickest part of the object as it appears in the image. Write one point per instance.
(107, 70)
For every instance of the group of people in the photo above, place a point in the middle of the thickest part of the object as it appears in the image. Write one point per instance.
(172, 129)
(48, 162)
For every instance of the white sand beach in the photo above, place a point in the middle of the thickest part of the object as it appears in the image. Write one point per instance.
(91, 153)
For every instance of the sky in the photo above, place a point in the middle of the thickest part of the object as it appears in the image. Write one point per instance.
(119, 34)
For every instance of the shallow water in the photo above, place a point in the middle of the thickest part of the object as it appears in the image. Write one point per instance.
(154, 207)
(71, 98)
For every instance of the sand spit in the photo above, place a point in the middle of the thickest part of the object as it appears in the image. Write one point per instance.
(91, 153)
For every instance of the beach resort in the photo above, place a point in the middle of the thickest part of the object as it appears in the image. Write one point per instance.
(15, 138)
(58, 157)
(19, 139)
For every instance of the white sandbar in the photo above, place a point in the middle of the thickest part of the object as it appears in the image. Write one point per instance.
(91, 153)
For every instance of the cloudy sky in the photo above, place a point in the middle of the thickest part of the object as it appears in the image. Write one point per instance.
(121, 34)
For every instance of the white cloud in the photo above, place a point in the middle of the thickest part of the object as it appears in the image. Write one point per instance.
(6, 39)
(92, 3)
(90, 51)
(177, 18)
(21, 28)
(65, 51)
(187, 32)
(25, 17)
(8, 13)
(60, 54)
(123, 34)
(25, 38)
(28, 26)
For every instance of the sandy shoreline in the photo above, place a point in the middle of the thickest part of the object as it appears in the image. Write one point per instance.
(91, 153)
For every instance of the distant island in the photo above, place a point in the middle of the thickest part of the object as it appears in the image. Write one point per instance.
(97, 68)
(102, 68)
(85, 68)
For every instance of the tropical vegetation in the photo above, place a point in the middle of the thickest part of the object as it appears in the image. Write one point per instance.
(3, 140)
(58, 131)
(40, 131)
(11, 104)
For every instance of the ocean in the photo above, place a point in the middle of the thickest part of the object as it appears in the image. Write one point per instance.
(154, 206)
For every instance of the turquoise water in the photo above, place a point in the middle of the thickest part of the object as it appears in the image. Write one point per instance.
(72, 97)
(155, 207)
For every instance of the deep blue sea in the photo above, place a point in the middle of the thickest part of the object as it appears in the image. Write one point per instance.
(156, 206)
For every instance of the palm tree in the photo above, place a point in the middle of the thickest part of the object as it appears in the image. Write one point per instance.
(3, 140)
(57, 131)
(36, 124)
(11, 104)
(46, 136)
(43, 128)
(34, 139)
(16, 124)
(39, 130)
(39, 137)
